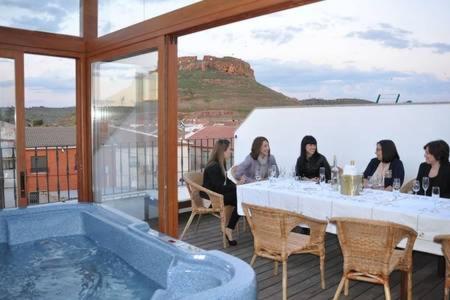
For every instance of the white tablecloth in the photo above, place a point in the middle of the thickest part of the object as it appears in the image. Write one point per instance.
(428, 216)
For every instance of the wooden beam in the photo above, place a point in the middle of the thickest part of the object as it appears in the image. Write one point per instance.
(89, 19)
(83, 117)
(171, 119)
(199, 16)
(41, 41)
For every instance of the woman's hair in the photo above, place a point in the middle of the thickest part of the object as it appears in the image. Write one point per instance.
(389, 151)
(439, 149)
(217, 154)
(256, 146)
(307, 139)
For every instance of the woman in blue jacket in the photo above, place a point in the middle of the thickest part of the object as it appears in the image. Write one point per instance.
(387, 160)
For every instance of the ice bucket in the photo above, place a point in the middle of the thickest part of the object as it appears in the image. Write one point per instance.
(350, 184)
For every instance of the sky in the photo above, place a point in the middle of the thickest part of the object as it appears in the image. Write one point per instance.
(330, 49)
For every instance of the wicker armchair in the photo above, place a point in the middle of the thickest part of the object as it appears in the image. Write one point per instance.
(407, 187)
(273, 239)
(370, 254)
(445, 241)
(214, 206)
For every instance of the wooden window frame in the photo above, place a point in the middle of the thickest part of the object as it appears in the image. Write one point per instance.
(162, 31)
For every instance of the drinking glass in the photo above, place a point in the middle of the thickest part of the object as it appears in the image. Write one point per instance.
(416, 186)
(272, 173)
(435, 193)
(369, 182)
(257, 174)
(322, 175)
(396, 187)
(425, 184)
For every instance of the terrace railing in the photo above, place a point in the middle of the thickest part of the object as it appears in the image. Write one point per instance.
(51, 172)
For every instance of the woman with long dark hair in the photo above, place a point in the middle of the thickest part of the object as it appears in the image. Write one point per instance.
(387, 161)
(436, 167)
(258, 163)
(310, 161)
(215, 179)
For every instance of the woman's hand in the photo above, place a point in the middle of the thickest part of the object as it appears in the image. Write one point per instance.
(241, 181)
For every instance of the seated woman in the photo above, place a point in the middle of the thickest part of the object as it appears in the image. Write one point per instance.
(436, 167)
(387, 159)
(310, 161)
(215, 179)
(258, 161)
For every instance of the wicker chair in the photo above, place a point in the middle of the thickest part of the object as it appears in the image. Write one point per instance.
(214, 206)
(274, 240)
(370, 254)
(445, 241)
(407, 187)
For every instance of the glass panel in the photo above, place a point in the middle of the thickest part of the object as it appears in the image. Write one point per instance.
(50, 132)
(55, 16)
(125, 134)
(116, 14)
(8, 184)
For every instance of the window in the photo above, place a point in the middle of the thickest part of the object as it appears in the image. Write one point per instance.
(34, 198)
(9, 164)
(55, 16)
(39, 164)
(117, 14)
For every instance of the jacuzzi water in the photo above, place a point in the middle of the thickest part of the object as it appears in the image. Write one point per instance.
(88, 251)
(72, 267)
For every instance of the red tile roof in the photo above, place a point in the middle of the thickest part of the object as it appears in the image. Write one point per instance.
(214, 132)
(207, 136)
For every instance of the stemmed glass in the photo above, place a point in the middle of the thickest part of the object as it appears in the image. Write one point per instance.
(396, 187)
(369, 182)
(322, 175)
(272, 172)
(416, 186)
(425, 184)
(258, 174)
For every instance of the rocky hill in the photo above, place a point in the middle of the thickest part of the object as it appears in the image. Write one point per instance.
(228, 87)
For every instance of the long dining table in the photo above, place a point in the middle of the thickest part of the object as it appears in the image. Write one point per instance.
(428, 216)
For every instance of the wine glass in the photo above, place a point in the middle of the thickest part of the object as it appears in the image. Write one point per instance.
(322, 175)
(258, 174)
(272, 172)
(416, 186)
(425, 184)
(396, 187)
(369, 182)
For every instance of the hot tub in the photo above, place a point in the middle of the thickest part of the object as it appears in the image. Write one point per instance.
(88, 251)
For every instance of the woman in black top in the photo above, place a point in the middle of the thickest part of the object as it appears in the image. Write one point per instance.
(310, 161)
(215, 179)
(436, 167)
(387, 159)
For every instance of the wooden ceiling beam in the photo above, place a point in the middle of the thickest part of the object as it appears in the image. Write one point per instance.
(196, 17)
(42, 42)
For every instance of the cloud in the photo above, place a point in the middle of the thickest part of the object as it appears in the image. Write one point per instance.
(440, 48)
(37, 15)
(386, 35)
(398, 38)
(305, 80)
(278, 36)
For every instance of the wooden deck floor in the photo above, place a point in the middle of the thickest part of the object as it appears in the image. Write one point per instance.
(303, 270)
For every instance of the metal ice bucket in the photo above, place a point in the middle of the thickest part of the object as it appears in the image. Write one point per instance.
(350, 184)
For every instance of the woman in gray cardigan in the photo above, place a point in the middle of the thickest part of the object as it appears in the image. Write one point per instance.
(259, 160)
